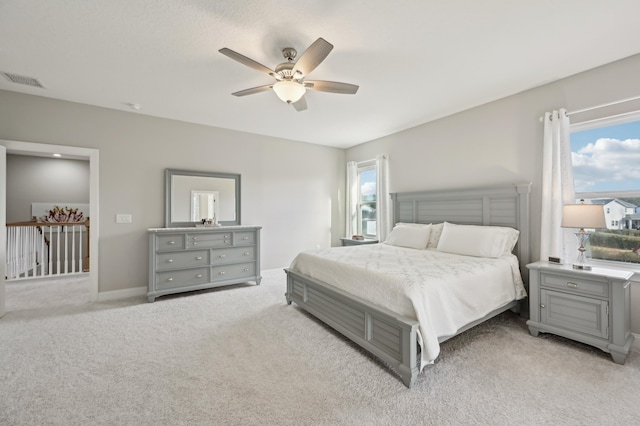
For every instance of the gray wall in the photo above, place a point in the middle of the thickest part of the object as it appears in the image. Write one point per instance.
(501, 141)
(43, 180)
(291, 189)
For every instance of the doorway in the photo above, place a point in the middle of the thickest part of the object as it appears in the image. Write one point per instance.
(37, 149)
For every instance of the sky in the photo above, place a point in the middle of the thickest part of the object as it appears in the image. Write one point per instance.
(607, 158)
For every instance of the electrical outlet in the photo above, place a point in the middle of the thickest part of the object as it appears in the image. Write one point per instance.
(123, 218)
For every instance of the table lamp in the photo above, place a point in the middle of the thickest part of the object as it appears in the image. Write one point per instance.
(583, 216)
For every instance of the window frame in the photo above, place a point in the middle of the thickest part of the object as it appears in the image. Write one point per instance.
(595, 124)
(363, 167)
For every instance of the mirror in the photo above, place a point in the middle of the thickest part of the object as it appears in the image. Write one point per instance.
(191, 196)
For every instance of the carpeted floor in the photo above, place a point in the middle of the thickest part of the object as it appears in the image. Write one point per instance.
(242, 356)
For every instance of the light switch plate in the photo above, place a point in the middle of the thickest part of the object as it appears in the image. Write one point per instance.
(123, 218)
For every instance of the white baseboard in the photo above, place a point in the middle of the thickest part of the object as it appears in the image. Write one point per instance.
(636, 342)
(122, 294)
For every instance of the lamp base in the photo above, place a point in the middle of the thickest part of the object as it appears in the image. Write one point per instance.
(582, 267)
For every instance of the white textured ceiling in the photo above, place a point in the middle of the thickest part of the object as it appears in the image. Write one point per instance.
(415, 61)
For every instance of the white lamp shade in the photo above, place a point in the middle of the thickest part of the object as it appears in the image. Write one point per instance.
(583, 216)
(289, 91)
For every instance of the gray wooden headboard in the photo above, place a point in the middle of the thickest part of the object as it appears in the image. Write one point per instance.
(498, 206)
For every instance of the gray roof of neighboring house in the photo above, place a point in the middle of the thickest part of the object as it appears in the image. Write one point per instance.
(605, 201)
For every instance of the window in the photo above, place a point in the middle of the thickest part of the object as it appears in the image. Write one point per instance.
(367, 199)
(606, 166)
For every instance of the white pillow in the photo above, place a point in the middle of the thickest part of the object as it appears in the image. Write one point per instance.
(409, 236)
(479, 241)
(413, 225)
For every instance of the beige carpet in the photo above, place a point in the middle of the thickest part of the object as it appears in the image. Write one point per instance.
(241, 356)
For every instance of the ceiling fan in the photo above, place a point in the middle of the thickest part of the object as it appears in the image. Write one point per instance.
(290, 85)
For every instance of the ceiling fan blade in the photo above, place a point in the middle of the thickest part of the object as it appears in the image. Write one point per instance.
(300, 105)
(247, 61)
(331, 86)
(312, 57)
(253, 90)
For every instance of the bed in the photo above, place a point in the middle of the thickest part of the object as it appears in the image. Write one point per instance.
(376, 295)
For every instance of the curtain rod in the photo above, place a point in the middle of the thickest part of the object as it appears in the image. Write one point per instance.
(599, 106)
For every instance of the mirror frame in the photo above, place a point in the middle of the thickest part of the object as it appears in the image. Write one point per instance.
(170, 173)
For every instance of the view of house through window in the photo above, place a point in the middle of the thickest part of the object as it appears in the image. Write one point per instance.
(367, 201)
(606, 168)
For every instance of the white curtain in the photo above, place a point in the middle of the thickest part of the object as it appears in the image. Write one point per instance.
(351, 199)
(383, 202)
(557, 188)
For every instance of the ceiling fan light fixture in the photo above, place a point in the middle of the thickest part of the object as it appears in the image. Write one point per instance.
(289, 91)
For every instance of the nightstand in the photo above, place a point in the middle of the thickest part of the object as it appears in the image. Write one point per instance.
(352, 242)
(591, 307)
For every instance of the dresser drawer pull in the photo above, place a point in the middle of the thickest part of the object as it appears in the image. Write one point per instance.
(246, 269)
(195, 244)
(542, 305)
(199, 258)
(222, 256)
(246, 253)
(199, 276)
(195, 238)
(572, 285)
(221, 273)
(245, 238)
(169, 279)
(169, 260)
(171, 242)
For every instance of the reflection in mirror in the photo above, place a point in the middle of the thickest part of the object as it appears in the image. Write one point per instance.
(204, 205)
(192, 196)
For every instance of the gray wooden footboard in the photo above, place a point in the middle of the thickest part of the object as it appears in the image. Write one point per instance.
(389, 336)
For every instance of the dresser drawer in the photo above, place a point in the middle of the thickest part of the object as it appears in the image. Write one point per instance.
(182, 259)
(576, 313)
(240, 270)
(233, 255)
(575, 284)
(170, 242)
(202, 240)
(244, 238)
(182, 278)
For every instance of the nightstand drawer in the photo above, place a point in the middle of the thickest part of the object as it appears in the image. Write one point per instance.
(575, 284)
(576, 313)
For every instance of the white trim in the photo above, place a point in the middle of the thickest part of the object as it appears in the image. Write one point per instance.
(34, 149)
(605, 121)
(126, 293)
(636, 342)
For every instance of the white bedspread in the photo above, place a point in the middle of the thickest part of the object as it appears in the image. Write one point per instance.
(444, 292)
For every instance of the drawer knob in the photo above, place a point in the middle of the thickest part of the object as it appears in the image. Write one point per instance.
(542, 305)
(199, 276)
(169, 279)
(221, 273)
(169, 260)
(246, 253)
(222, 256)
(195, 238)
(199, 258)
(245, 238)
(195, 244)
(572, 285)
(171, 242)
(246, 269)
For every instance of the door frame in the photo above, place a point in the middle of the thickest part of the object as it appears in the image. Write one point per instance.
(72, 152)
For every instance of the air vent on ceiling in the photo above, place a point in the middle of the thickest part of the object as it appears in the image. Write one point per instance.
(22, 79)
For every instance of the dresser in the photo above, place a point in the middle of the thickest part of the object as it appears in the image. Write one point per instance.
(591, 307)
(187, 259)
